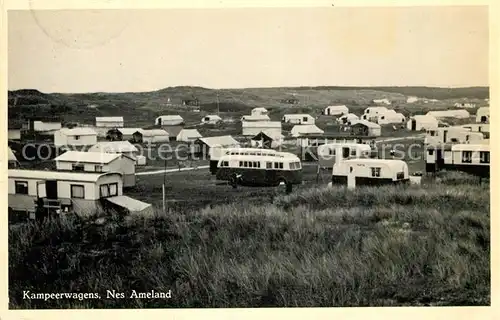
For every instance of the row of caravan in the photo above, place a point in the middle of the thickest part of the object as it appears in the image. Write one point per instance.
(259, 167)
(351, 164)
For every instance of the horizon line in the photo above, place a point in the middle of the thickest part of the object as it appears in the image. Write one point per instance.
(271, 87)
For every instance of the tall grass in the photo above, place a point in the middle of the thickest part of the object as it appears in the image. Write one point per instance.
(318, 247)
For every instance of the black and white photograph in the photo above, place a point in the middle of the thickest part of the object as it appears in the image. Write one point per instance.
(257, 157)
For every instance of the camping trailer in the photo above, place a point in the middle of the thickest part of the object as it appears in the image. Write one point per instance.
(109, 122)
(422, 122)
(347, 118)
(483, 115)
(60, 192)
(330, 153)
(169, 120)
(470, 158)
(211, 119)
(298, 119)
(260, 170)
(370, 172)
(259, 111)
(252, 128)
(66, 191)
(78, 161)
(336, 110)
(452, 135)
(76, 137)
(458, 114)
(255, 118)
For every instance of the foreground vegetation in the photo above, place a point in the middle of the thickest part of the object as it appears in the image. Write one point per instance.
(382, 246)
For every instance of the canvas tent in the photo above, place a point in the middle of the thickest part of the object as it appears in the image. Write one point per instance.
(336, 110)
(422, 122)
(267, 139)
(305, 129)
(458, 114)
(187, 135)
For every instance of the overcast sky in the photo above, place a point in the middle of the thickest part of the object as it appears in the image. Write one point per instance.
(143, 50)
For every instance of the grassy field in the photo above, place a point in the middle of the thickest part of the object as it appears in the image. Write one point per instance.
(387, 246)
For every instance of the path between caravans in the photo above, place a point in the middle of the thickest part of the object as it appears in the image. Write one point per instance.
(148, 173)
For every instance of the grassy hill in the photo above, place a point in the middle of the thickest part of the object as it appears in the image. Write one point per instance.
(385, 246)
(139, 108)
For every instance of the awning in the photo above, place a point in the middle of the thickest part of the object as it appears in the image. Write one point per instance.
(132, 205)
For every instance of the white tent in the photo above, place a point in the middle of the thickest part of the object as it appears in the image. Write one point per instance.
(169, 120)
(483, 114)
(458, 114)
(259, 111)
(420, 122)
(187, 135)
(211, 119)
(411, 99)
(346, 118)
(305, 129)
(336, 110)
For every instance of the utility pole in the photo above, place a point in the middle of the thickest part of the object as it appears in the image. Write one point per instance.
(218, 110)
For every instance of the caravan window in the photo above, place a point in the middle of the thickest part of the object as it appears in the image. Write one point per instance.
(466, 156)
(292, 165)
(484, 156)
(98, 168)
(375, 172)
(225, 164)
(21, 187)
(78, 167)
(400, 175)
(77, 191)
(241, 163)
(113, 189)
(108, 190)
(345, 152)
(304, 119)
(281, 165)
(269, 165)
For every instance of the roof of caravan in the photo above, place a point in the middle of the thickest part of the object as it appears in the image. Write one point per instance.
(344, 144)
(297, 115)
(128, 131)
(371, 161)
(255, 117)
(78, 131)
(191, 133)
(170, 117)
(87, 157)
(109, 119)
(471, 147)
(278, 157)
(58, 175)
(114, 146)
(153, 132)
(261, 124)
(369, 124)
(220, 141)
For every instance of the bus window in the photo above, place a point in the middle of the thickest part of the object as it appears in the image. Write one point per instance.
(269, 165)
(276, 165)
(281, 165)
